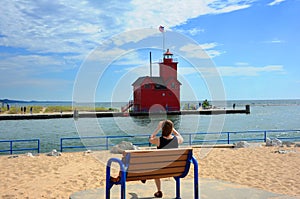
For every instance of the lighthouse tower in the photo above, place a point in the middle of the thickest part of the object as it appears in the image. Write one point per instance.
(168, 68)
(168, 73)
(163, 91)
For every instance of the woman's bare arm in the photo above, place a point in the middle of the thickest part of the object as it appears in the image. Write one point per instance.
(153, 139)
(179, 137)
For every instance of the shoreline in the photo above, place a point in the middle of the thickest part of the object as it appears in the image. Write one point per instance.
(45, 176)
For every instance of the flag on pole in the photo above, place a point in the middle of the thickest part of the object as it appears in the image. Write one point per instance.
(161, 29)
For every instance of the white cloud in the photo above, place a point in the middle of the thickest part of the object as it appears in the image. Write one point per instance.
(66, 26)
(220, 6)
(275, 41)
(214, 53)
(149, 13)
(53, 26)
(208, 45)
(249, 70)
(133, 36)
(232, 71)
(36, 82)
(242, 64)
(194, 51)
(193, 31)
(202, 51)
(275, 2)
(131, 59)
(105, 55)
(31, 64)
(230, 9)
(143, 70)
(90, 28)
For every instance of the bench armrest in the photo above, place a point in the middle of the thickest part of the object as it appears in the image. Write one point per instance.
(122, 172)
(117, 160)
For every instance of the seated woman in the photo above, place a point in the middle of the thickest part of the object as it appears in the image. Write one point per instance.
(170, 138)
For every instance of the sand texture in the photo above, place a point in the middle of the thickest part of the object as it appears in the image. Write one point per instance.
(45, 176)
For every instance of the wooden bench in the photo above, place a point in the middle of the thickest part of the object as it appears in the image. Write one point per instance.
(150, 164)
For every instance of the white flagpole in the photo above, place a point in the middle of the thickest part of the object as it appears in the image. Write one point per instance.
(162, 30)
(164, 41)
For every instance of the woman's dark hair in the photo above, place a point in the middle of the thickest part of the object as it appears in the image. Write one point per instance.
(167, 128)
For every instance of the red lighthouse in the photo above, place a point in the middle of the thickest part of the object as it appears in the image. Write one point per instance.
(162, 92)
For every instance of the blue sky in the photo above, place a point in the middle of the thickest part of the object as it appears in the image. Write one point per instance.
(95, 50)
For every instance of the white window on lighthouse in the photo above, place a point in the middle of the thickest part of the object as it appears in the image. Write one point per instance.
(173, 85)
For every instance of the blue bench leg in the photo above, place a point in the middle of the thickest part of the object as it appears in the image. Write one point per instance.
(196, 180)
(108, 184)
(107, 193)
(123, 185)
(177, 188)
(123, 191)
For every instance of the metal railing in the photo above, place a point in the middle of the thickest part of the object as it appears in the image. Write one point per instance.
(101, 142)
(236, 136)
(190, 139)
(105, 142)
(18, 145)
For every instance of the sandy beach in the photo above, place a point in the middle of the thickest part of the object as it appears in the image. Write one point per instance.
(45, 176)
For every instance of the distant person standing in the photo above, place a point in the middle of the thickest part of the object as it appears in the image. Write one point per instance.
(24, 109)
(233, 106)
(7, 106)
(30, 110)
(21, 109)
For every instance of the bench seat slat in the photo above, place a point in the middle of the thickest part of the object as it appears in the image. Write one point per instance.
(155, 171)
(150, 172)
(156, 165)
(166, 175)
(159, 152)
(154, 159)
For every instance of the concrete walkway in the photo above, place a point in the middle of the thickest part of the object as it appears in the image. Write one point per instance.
(209, 189)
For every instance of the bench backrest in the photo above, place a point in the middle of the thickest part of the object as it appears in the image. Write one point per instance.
(158, 163)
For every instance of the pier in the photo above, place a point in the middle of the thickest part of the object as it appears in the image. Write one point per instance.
(121, 114)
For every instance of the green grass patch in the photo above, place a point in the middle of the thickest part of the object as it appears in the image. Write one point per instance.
(52, 109)
(18, 110)
(35, 109)
(55, 109)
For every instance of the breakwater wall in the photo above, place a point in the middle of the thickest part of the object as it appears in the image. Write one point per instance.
(121, 114)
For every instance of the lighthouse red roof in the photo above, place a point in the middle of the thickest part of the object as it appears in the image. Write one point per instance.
(156, 80)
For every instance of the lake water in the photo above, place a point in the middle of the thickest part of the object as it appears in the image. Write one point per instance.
(265, 115)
